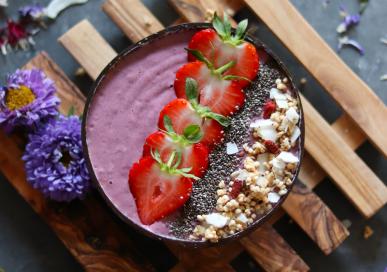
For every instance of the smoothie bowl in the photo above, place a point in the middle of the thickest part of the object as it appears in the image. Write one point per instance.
(194, 134)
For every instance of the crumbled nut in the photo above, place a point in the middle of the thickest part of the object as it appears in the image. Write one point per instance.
(367, 233)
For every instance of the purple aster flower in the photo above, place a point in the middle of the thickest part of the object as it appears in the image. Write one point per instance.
(54, 160)
(28, 98)
(36, 11)
(345, 41)
(348, 20)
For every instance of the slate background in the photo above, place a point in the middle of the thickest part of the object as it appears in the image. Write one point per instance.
(27, 244)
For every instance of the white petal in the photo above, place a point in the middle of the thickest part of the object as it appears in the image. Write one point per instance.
(296, 133)
(231, 148)
(292, 115)
(287, 157)
(217, 220)
(273, 197)
(57, 6)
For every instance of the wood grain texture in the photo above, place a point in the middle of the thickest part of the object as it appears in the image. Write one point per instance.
(83, 38)
(84, 227)
(264, 242)
(366, 191)
(206, 259)
(322, 225)
(134, 14)
(350, 92)
(202, 10)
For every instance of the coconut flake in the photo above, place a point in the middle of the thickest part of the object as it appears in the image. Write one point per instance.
(242, 218)
(296, 133)
(242, 175)
(265, 129)
(217, 220)
(273, 197)
(292, 115)
(262, 123)
(278, 166)
(231, 148)
(279, 97)
(287, 157)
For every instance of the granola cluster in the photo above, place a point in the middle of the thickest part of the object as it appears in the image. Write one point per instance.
(267, 171)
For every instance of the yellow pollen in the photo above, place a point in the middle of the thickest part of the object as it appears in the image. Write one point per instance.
(18, 98)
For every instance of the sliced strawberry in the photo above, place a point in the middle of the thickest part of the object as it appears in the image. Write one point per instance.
(194, 155)
(183, 114)
(221, 47)
(220, 95)
(158, 189)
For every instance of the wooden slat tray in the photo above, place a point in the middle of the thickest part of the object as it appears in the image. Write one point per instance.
(101, 243)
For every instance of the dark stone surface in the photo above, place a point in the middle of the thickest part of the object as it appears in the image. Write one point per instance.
(28, 244)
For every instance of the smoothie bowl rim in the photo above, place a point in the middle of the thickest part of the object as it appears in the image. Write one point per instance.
(138, 227)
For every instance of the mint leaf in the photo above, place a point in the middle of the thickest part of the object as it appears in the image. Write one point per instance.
(191, 90)
(193, 133)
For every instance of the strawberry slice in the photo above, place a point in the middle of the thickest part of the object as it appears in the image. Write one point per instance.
(219, 94)
(220, 46)
(193, 154)
(159, 188)
(184, 113)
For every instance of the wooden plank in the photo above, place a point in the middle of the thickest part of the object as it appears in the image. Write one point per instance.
(202, 11)
(206, 259)
(323, 226)
(194, 10)
(83, 226)
(85, 33)
(367, 192)
(135, 14)
(264, 242)
(349, 91)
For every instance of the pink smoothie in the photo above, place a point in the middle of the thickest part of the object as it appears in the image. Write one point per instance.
(125, 110)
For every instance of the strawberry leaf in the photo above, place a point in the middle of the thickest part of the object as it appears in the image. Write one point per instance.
(241, 29)
(227, 25)
(193, 133)
(224, 121)
(168, 124)
(219, 26)
(199, 56)
(191, 90)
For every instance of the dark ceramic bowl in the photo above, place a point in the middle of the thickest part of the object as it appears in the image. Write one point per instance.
(160, 35)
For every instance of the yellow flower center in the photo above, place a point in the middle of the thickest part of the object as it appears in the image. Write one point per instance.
(18, 98)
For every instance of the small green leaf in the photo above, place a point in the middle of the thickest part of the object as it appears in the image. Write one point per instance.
(224, 121)
(178, 160)
(168, 124)
(232, 77)
(241, 29)
(71, 111)
(191, 90)
(227, 25)
(219, 26)
(193, 133)
(224, 68)
(199, 56)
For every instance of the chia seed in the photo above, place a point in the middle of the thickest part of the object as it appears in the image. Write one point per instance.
(203, 198)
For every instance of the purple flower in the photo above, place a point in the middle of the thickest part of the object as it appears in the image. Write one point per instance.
(54, 160)
(36, 11)
(28, 98)
(345, 41)
(348, 20)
